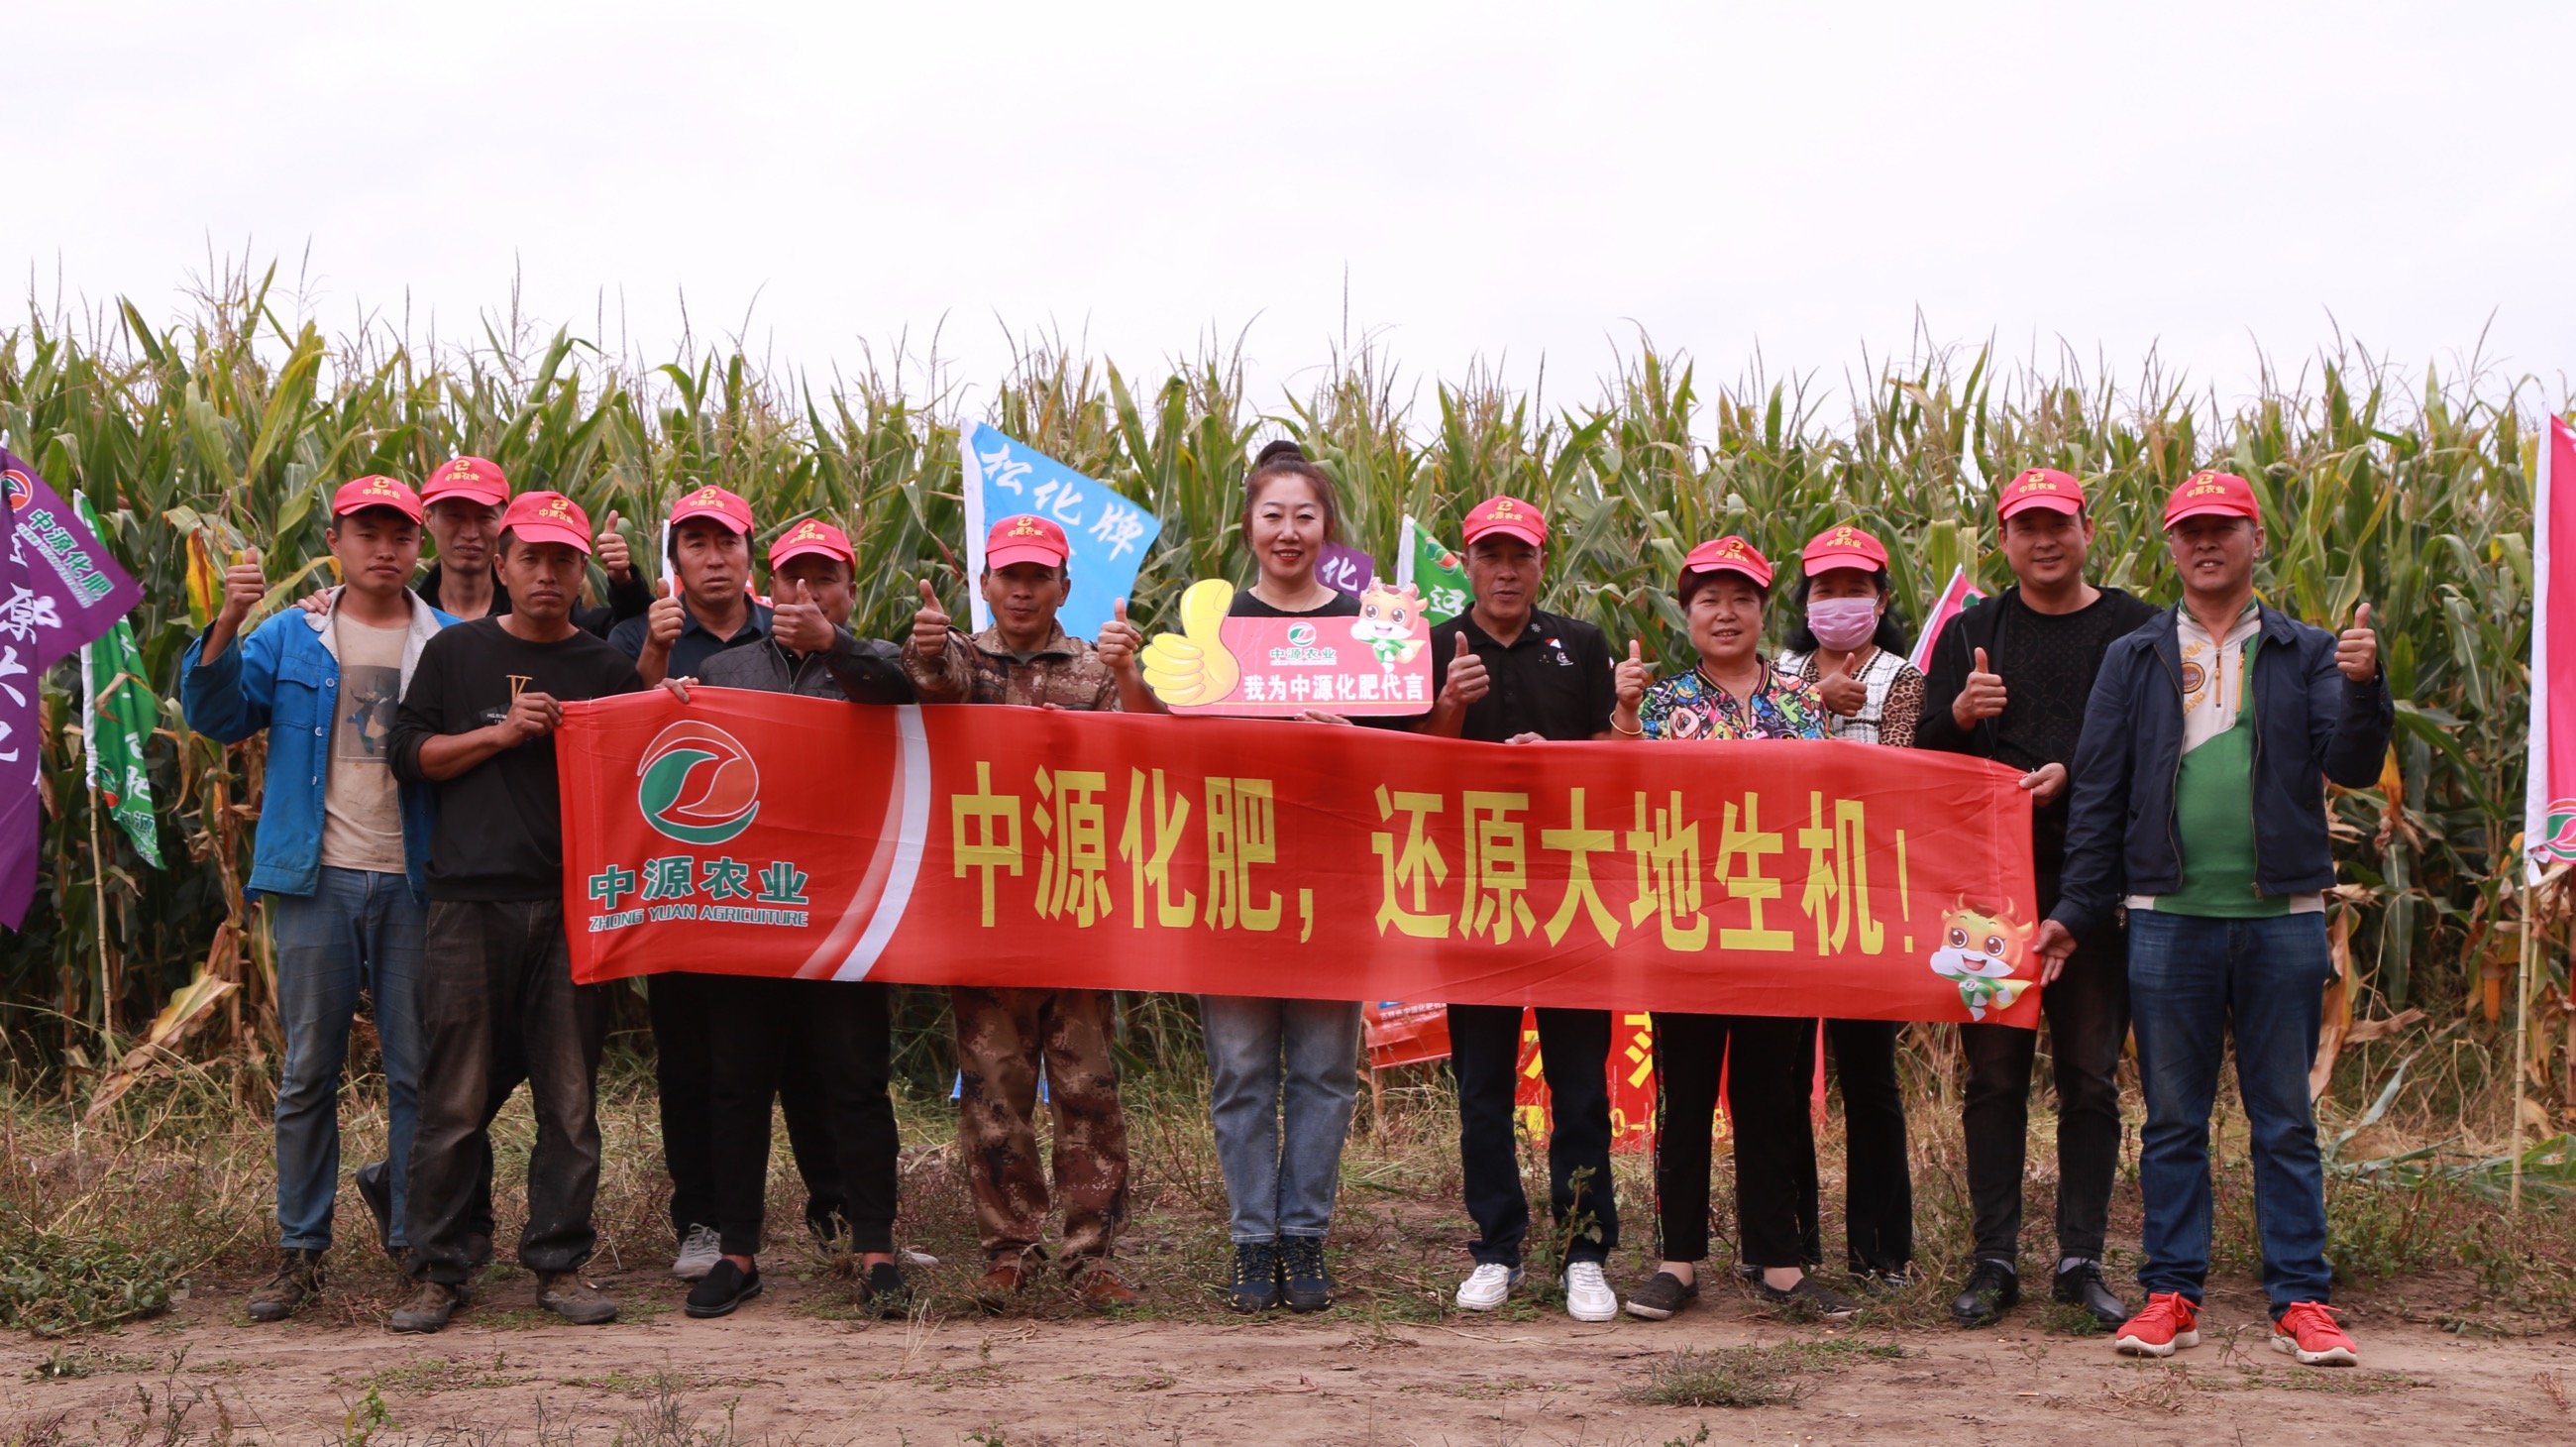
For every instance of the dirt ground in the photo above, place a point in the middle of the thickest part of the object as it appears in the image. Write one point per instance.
(799, 1366)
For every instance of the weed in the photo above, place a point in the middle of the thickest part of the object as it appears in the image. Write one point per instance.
(1750, 1376)
(365, 1418)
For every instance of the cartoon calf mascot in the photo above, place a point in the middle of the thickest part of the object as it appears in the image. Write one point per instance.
(1979, 953)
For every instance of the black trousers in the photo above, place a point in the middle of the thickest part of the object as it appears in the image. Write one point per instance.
(498, 1006)
(684, 1074)
(1767, 1062)
(763, 1029)
(1878, 1180)
(1574, 1050)
(2088, 1017)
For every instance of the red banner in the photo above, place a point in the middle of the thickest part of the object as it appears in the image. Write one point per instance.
(757, 833)
(1631, 1071)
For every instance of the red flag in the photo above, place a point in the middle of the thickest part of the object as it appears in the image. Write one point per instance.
(2549, 800)
(1953, 601)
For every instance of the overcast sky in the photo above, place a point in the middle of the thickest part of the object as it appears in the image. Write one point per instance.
(1505, 181)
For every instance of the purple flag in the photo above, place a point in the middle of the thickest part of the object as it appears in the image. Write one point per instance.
(1344, 569)
(22, 832)
(67, 591)
(58, 590)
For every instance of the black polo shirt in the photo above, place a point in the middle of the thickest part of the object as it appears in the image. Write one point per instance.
(1554, 680)
(696, 643)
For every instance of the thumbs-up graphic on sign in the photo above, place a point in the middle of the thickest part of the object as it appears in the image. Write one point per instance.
(1192, 666)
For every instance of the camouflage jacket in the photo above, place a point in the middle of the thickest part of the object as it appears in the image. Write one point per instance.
(977, 668)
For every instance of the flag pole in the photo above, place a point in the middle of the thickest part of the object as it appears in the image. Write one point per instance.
(97, 859)
(2521, 1039)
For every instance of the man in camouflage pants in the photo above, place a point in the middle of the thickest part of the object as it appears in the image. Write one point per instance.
(1025, 658)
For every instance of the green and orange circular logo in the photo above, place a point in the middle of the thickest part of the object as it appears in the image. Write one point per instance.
(697, 784)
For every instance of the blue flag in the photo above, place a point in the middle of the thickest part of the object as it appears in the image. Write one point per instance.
(1107, 535)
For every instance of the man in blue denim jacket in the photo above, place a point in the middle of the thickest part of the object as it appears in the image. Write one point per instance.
(2199, 806)
(340, 845)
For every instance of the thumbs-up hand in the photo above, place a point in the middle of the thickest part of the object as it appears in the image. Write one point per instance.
(1194, 665)
(797, 621)
(2357, 648)
(1980, 698)
(1467, 680)
(1119, 640)
(663, 622)
(929, 625)
(244, 586)
(611, 550)
(1842, 690)
(1630, 677)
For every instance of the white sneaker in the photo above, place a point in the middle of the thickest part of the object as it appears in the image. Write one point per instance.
(1488, 1286)
(700, 1250)
(1587, 1296)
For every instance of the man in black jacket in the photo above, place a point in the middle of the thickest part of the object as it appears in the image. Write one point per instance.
(2199, 806)
(829, 1037)
(464, 497)
(2008, 682)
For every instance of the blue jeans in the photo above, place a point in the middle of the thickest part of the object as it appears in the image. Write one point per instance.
(358, 930)
(2192, 982)
(1281, 1181)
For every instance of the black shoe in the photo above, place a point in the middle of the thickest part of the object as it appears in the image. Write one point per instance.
(1661, 1296)
(1304, 1283)
(1826, 1302)
(2083, 1287)
(299, 1276)
(1993, 1288)
(886, 1290)
(377, 1190)
(430, 1305)
(1256, 1276)
(722, 1289)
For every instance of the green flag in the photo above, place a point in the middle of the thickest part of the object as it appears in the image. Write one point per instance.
(121, 713)
(1438, 574)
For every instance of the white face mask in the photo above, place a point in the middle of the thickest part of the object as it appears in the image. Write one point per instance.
(1842, 624)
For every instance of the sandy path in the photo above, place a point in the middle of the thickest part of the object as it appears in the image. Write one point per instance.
(795, 1369)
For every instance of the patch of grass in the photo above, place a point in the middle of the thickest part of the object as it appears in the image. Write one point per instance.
(423, 1375)
(66, 1362)
(1765, 1375)
(55, 1283)
(2345, 1381)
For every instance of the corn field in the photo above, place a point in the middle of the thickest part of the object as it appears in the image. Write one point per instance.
(230, 428)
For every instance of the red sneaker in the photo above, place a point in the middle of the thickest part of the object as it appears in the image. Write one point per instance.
(2169, 1321)
(2308, 1331)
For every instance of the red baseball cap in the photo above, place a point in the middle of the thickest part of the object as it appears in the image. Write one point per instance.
(811, 536)
(1843, 546)
(713, 502)
(1026, 538)
(2205, 493)
(1729, 554)
(361, 493)
(479, 479)
(547, 517)
(1509, 516)
(2040, 487)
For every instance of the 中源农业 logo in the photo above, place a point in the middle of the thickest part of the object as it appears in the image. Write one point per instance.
(697, 784)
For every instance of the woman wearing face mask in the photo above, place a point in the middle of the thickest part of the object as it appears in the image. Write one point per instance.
(1282, 1162)
(1733, 693)
(1850, 644)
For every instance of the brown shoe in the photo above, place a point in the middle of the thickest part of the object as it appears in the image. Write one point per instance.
(577, 1301)
(1101, 1290)
(428, 1308)
(1008, 1277)
(299, 1275)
